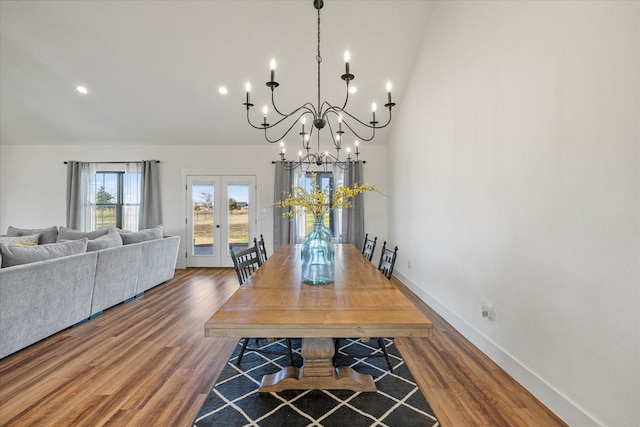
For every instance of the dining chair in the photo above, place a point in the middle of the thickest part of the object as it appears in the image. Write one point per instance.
(246, 262)
(261, 248)
(369, 247)
(387, 261)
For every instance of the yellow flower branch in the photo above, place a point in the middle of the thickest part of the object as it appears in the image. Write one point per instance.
(318, 202)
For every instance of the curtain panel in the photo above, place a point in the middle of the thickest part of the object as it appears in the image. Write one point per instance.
(80, 197)
(150, 203)
(284, 230)
(353, 218)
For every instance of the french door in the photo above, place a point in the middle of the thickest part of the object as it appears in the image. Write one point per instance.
(221, 211)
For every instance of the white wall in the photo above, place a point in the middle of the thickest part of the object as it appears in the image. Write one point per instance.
(33, 180)
(516, 182)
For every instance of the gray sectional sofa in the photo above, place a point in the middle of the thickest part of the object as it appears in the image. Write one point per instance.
(41, 298)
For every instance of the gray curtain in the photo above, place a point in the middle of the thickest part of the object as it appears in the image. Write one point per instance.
(284, 231)
(150, 204)
(75, 196)
(353, 218)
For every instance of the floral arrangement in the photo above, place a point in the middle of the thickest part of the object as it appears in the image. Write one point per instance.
(318, 202)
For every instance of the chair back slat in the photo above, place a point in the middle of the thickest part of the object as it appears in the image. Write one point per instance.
(387, 260)
(369, 247)
(245, 262)
(261, 248)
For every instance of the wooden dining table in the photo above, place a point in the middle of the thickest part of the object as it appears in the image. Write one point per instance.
(361, 302)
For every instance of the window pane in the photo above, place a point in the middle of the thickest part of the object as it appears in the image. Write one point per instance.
(203, 239)
(238, 226)
(106, 197)
(323, 180)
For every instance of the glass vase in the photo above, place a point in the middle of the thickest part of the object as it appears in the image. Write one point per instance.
(318, 255)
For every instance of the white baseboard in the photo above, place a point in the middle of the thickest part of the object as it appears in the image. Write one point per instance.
(564, 408)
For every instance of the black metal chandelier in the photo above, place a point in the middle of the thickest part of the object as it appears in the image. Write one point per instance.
(322, 115)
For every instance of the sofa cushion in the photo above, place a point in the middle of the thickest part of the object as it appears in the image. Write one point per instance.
(65, 233)
(16, 255)
(20, 240)
(47, 235)
(109, 240)
(142, 235)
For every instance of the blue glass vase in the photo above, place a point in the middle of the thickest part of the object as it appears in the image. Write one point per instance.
(318, 255)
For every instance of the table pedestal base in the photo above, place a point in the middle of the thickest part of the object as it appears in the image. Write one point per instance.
(317, 372)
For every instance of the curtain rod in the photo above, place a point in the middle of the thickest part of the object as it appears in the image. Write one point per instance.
(273, 162)
(134, 161)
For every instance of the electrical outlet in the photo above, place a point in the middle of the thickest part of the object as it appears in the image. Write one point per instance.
(488, 311)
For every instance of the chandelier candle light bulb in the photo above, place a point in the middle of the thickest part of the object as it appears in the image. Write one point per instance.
(272, 65)
(347, 58)
(247, 87)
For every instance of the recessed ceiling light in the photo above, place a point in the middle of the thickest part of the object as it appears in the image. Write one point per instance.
(353, 89)
(223, 90)
(83, 90)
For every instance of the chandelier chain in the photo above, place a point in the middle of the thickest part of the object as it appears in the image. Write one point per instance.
(319, 60)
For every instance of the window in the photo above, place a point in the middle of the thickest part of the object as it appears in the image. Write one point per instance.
(116, 196)
(324, 179)
(108, 197)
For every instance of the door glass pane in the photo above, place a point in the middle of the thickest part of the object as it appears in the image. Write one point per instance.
(238, 225)
(203, 240)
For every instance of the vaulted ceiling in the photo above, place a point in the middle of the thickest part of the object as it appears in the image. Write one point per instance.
(153, 68)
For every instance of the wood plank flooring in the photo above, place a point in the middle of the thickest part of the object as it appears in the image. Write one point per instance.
(147, 363)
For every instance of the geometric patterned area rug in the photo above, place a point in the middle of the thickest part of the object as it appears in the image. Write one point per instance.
(235, 401)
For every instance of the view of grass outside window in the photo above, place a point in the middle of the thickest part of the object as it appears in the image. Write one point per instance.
(105, 210)
(108, 198)
(238, 215)
(323, 180)
(113, 206)
(203, 216)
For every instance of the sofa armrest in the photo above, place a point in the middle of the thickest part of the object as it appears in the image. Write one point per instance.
(158, 262)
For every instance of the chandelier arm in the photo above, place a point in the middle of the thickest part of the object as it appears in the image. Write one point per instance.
(346, 98)
(336, 144)
(337, 110)
(307, 147)
(307, 105)
(368, 124)
(251, 124)
(359, 136)
(275, 124)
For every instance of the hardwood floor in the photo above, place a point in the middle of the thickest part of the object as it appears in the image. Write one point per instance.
(147, 363)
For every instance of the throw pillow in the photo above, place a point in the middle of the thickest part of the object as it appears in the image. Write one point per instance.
(70, 234)
(47, 235)
(142, 235)
(16, 255)
(109, 240)
(20, 240)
